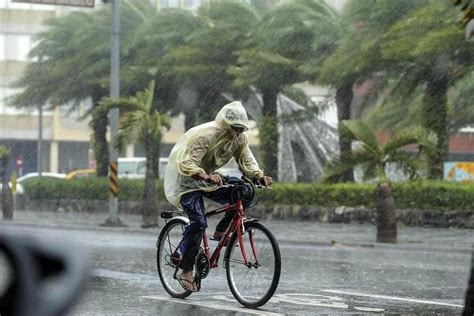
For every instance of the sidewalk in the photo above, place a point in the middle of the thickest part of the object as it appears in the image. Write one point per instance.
(75, 220)
(293, 232)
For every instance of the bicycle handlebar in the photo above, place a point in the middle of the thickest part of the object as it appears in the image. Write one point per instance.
(228, 183)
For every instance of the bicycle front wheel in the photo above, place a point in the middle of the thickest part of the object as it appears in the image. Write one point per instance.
(254, 283)
(167, 243)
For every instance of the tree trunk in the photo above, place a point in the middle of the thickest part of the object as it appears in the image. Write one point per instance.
(385, 216)
(268, 133)
(204, 111)
(101, 151)
(469, 303)
(207, 106)
(189, 119)
(344, 96)
(7, 196)
(434, 115)
(150, 194)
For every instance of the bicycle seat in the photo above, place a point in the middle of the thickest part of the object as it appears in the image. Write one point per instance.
(166, 214)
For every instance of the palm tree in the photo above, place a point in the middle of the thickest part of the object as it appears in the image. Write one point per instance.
(432, 55)
(288, 43)
(73, 64)
(361, 27)
(203, 61)
(141, 120)
(374, 157)
(7, 198)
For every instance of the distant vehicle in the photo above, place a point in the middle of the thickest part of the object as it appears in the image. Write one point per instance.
(20, 181)
(43, 175)
(135, 167)
(81, 173)
(129, 168)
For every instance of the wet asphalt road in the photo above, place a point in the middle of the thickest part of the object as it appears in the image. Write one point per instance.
(326, 269)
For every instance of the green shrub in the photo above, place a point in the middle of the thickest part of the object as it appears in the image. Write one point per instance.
(85, 188)
(434, 195)
(348, 194)
(422, 194)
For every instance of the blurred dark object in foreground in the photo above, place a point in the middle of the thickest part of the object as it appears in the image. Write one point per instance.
(469, 304)
(46, 280)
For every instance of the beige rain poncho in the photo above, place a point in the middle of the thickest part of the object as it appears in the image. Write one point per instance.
(208, 147)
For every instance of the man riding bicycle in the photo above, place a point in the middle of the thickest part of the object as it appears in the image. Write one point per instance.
(190, 177)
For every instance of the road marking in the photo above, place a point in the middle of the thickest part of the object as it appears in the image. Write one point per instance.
(298, 299)
(311, 300)
(394, 298)
(213, 306)
(368, 309)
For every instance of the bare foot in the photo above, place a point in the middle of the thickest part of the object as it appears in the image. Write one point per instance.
(186, 280)
(218, 235)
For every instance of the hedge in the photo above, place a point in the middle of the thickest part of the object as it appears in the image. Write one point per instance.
(86, 188)
(422, 194)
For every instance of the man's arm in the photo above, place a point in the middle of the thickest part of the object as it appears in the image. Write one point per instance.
(248, 164)
(190, 164)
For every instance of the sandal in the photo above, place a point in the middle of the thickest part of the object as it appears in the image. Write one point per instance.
(182, 282)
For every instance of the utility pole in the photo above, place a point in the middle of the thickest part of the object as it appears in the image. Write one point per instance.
(40, 141)
(113, 219)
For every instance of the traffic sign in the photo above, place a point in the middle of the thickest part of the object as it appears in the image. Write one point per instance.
(19, 162)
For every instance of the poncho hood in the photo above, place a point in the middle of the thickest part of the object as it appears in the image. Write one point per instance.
(232, 114)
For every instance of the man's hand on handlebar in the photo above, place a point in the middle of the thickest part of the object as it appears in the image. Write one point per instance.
(213, 178)
(265, 181)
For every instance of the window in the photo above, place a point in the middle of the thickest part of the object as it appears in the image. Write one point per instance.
(15, 47)
(2, 47)
(141, 167)
(26, 6)
(24, 46)
(173, 3)
(2, 99)
(126, 167)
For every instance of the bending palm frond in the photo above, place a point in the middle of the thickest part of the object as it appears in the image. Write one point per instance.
(336, 167)
(361, 132)
(416, 135)
(374, 157)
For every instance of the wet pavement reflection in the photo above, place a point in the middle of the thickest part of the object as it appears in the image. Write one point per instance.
(326, 269)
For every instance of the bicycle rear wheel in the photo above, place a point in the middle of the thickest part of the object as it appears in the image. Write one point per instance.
(254, 284)
(168, 241)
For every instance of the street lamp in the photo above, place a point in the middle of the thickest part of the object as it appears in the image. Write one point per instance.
(113, 219)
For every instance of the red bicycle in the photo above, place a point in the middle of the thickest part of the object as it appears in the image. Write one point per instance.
(252, 273)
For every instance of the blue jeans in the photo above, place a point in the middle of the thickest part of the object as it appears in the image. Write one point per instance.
(193, 205)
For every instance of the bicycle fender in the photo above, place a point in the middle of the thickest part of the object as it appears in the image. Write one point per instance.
(180, 218)
(250, 220)
(183, 218)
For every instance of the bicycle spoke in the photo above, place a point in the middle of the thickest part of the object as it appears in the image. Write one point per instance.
(238, 261)
(253, 286)
(167, 245)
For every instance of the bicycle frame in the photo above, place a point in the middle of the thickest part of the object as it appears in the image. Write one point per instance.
(238, 225)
